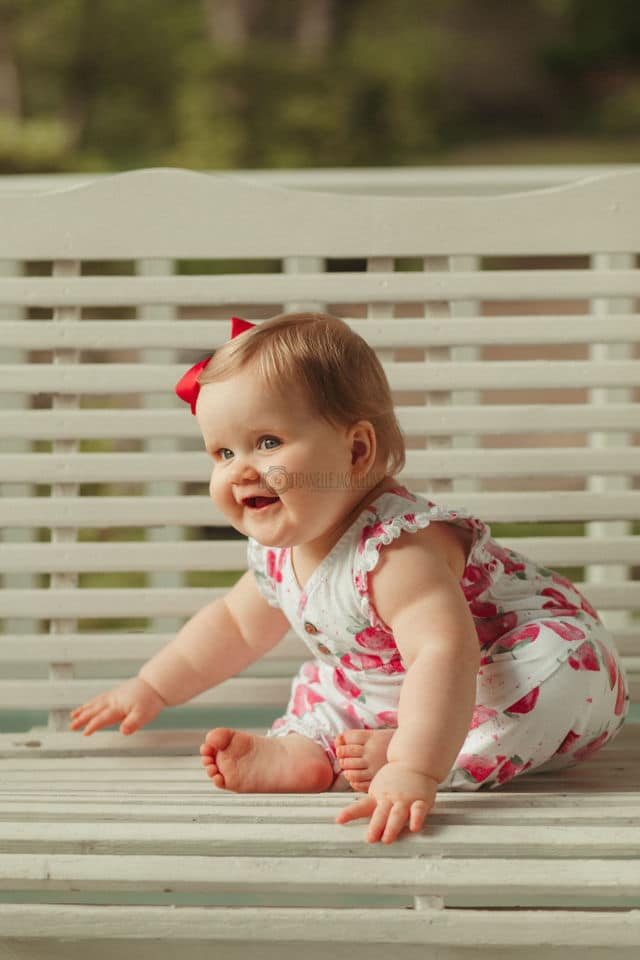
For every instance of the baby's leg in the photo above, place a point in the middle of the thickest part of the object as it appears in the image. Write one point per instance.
(246, 763)
(559, 723)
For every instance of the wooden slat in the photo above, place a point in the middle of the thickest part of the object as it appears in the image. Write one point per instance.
(308, 839)
(281, 933)
(91, 648)
(225, 555)
(122, 805)
(107, 646)
(243, 691)
(423, 332)
(169, 213)
(416, 421)
(119, 378)
(147, 602)
(169, 555)
(113, 511)
(518, 419)
(66, 694)
(110, 511)
(44, 744)
(105, 603)
(389, 181)
(477, 882)
(136, 467)
(342, 287)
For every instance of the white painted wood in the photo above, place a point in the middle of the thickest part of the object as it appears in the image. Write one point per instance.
(413, 332)
(156, 744)
(465, 354)
(129, 804)
(144, 602)
(487, 419)
(16, 407)
(102, 816)
(64, 447)
(436, 395)
(285, 932)
(348, 288)
(503, 507)
(596, 572)
(303, 839)
(157, 402)
(389, 181)
(479, 883)
(63, 695)
(221, 555)
(601, 213)
(122, 647)
(117, 378)
(115, 647)
(137, 467)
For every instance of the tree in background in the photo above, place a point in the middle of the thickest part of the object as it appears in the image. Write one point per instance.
(110, 84)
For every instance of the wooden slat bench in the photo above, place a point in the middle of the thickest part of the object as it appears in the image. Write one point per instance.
(509, 329)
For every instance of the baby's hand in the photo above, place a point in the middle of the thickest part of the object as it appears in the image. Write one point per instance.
(396, 795)
(134, 702)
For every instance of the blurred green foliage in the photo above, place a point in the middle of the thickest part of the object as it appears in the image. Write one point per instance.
(212, 84)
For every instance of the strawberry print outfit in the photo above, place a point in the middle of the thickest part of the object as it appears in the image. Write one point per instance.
(550, 691)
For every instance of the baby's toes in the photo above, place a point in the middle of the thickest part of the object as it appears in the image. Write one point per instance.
(356, 781)
(350, 750)
(352, 763)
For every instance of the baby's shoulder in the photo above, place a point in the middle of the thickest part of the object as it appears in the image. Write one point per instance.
(437, 543)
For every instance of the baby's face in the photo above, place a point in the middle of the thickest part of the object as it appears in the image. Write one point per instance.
(280, 472)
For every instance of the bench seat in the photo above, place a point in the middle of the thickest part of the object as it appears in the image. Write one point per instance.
(509, 328)
(85, 827)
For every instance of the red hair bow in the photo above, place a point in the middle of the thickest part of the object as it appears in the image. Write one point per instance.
(187, 386)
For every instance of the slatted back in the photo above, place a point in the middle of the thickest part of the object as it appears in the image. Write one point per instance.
(508, 327)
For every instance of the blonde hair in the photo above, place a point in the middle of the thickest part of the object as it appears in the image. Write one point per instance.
(337, 371)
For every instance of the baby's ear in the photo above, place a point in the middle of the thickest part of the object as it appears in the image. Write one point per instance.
(363, 445)
(358, 449)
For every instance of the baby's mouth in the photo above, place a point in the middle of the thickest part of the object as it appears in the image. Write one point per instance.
(259, 503)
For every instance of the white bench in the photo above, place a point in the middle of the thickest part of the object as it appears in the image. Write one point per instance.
(517, 388)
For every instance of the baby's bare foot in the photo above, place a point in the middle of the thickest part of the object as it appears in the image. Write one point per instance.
(361, 753)
(246, 763)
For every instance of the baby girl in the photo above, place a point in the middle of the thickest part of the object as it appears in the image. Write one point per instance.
(440, 660)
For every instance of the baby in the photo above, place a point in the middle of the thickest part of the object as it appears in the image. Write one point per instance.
(440, 660)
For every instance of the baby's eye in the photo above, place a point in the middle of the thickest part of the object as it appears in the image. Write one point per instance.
(222, 452)
(271, 442)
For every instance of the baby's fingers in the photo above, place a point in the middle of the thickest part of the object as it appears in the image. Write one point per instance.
(81, 714)
(418, 815)
(132, 721)
(363, 807)
(104, 718)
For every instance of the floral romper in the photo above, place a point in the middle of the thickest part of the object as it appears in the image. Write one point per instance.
(550, 690)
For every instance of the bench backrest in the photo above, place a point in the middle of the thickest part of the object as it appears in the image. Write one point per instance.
(508, 327)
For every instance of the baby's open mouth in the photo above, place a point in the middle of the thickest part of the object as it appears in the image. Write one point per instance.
(259, 503)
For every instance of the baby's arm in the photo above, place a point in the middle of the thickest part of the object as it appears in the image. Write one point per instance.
(218, 642)
(418, 594)
(416, 591)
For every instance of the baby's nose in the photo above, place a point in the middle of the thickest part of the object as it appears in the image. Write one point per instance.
(243, 469)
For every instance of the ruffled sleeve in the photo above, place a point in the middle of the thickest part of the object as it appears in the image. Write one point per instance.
(266, 565)
(378, 533)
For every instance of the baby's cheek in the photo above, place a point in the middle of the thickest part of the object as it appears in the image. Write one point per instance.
(220, 495)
